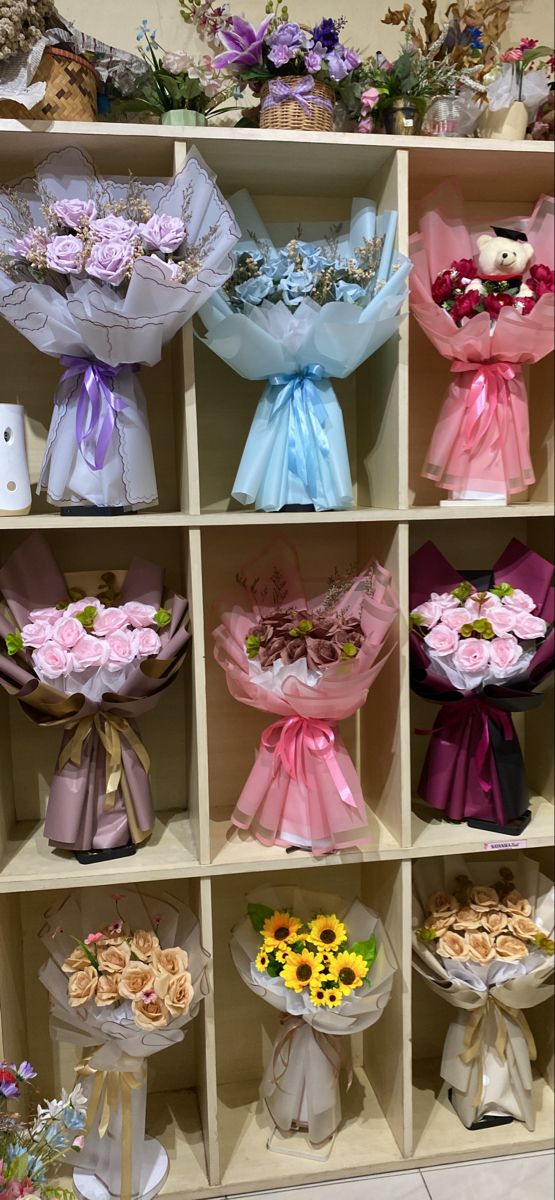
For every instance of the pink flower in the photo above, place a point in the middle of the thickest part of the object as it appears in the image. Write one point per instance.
(37, 633)
(528, 43)
(519, 601)
(501, 620)
(147, 643)
(369, 99)
(114, 229)
(139, 616)
(455, 618)
(445, 600)
(51, 660)
(65, 254)
(366, 125)
(93, 938)
(89, 652)
(78, 606)
(511, 56)
(122, 649)
(149, 996)
(442, 640)
(110, 621)
(472, 655)
(68, 632)
(526, 626)
(480, 608)
(163, 232)
(504, 652)
(430, 612)
(46, 614)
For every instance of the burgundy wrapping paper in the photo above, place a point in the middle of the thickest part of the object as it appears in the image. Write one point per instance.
(474, 766)
(77, 817)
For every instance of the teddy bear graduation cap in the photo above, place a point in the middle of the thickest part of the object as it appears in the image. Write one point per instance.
(502, 259)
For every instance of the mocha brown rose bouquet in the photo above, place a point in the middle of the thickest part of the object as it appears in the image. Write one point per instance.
(486, 944)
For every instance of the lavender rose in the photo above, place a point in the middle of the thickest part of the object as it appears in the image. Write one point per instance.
(163, 233)
(110, 261)
(74, 213)
(65, 254)
(114, 229)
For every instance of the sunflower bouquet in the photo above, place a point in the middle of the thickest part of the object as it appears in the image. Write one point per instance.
(326, 963)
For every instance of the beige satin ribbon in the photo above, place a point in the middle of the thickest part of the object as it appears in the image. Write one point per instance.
(110, 729)
(474, 1039)
(112, 1090)
(336, 1057)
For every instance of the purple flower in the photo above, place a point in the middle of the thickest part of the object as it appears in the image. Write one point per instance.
(313, 62)
(114, 229)
(163, 233)
(244, 44)
(110, 261)
(352, 60)
(65, 254)
(290, 34)
(280, 55)
(74, 212)
(327, 33)
(337, 65)
(26, 1072)
(35, 240)
(9, 1090)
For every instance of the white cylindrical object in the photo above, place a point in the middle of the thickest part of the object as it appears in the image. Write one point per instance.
(15, 488)
(98, 1174)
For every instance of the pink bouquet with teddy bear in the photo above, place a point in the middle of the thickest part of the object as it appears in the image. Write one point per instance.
(489, 313)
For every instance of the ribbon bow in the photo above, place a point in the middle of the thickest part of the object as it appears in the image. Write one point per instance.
(302, 90)
(110, 729)
(111, 1092)
(97, 405)
(487, 397)
(289, 738)
(475, 1035)
(479, 710)
(307, 420)
(335, 1048)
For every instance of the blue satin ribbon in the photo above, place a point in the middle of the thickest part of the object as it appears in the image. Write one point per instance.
(307, 420)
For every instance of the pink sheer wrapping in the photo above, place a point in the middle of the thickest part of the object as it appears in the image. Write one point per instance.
(481, 440)
(303, 789)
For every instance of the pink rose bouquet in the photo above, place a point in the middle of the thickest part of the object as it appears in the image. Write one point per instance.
(91, 664)
(481, 648)
(312, 663)
(102, 278)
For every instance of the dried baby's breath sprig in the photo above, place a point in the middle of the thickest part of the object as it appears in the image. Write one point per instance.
(338, 583)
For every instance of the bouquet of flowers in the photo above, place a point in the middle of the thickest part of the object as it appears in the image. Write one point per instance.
(312, 662)
(330, 972)
(298, 314)
(101, 275)
(520, 76)
(31, 1149)
(486, 946)
(453, 292)
(175, 82)
(91, 664)
(480, 443)
(483, 649)
(129, 979)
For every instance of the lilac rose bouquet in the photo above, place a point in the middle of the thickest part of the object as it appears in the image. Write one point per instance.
(101, 274)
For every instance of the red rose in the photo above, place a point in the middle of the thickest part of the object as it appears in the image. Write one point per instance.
(496, 301)
(525, 304)
(465, 268)
(465, 306)
(539, 273)
(7, 1076)
(442, 288)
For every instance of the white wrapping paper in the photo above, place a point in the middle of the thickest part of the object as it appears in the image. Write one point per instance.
(504, 90)
(301, 1082)
(488, 1049)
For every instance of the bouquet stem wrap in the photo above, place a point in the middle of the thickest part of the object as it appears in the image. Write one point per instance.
(301, 1082)
(116, 1113)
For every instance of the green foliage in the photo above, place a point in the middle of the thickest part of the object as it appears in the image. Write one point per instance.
(14, 643)
(87, 617)
(259, 914)
(252, 645)
(162, 618)
(367, 950)
(463, 591)
(502, 589)
(348, 650)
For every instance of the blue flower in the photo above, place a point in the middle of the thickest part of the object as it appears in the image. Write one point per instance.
(351, 293)
(255, 290)
(327, 33)
(73, 1119)
(295, 285)
(476, 40)
(275, 265)
(56, 1136)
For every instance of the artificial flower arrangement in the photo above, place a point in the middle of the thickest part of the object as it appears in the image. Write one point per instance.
(312, 662)
(480, 445)
(31, 1149)
(483, 941)
(297, 315)
(126, 974)
(482, 650)
(175, 84)
(91, 663)
(101, 276)
(520, 76)
(330, 972)
(298, 71)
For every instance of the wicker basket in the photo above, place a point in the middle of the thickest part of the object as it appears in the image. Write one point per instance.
(70, 90)
(316, 113)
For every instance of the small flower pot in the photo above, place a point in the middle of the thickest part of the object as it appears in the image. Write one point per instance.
(508, 124)
(403, 116)
(183, 116)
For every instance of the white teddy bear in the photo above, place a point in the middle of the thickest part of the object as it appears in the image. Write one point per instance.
(502, 258)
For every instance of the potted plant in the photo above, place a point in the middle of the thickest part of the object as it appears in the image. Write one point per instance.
(398, 94)
(175, 87)
(519, 87)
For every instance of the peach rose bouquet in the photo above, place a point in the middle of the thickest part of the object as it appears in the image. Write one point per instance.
(125, 973)
(483, 940)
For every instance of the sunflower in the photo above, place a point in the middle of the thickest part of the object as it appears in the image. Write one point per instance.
(333, 998)
(280, 929)
(348, 971)
(280, 955)
(302, 970)
(327, 933)
(318, 995)
(262, 959)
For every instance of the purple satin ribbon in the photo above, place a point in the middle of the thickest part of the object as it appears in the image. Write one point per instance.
(478, 710)
(279, 92)
(98, 403)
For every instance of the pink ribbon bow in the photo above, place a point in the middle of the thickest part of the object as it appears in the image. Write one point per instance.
(289, 738)
(302, 91)
(487, 397)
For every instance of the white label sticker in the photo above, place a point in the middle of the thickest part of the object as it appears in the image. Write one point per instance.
(521, 844)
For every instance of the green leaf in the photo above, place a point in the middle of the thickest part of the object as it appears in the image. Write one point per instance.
(301, 629)
(252, 645)
(465, 631)
(349, 650)
(415, 620)
(502, 589)
(87, 617)
(426, 935)
(259, 914)
(86, 950)
(463, 591)
(274, 969)
(14, 643)
(535, 52)
(367, 950)
(162, 618)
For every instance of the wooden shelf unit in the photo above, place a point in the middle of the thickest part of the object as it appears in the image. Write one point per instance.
(201, 742)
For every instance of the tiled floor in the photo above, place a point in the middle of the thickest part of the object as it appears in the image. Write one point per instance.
(522, 1177)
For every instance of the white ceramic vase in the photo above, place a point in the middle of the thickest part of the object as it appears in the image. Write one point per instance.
(15, 487)
(509, 124)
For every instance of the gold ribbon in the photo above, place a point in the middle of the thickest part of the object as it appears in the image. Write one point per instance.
(112, 1091)
(332, 1046)
(110, 729)
(474, 1037)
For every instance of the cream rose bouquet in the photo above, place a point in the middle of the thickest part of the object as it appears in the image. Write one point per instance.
(486, 945)
(126, 973)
